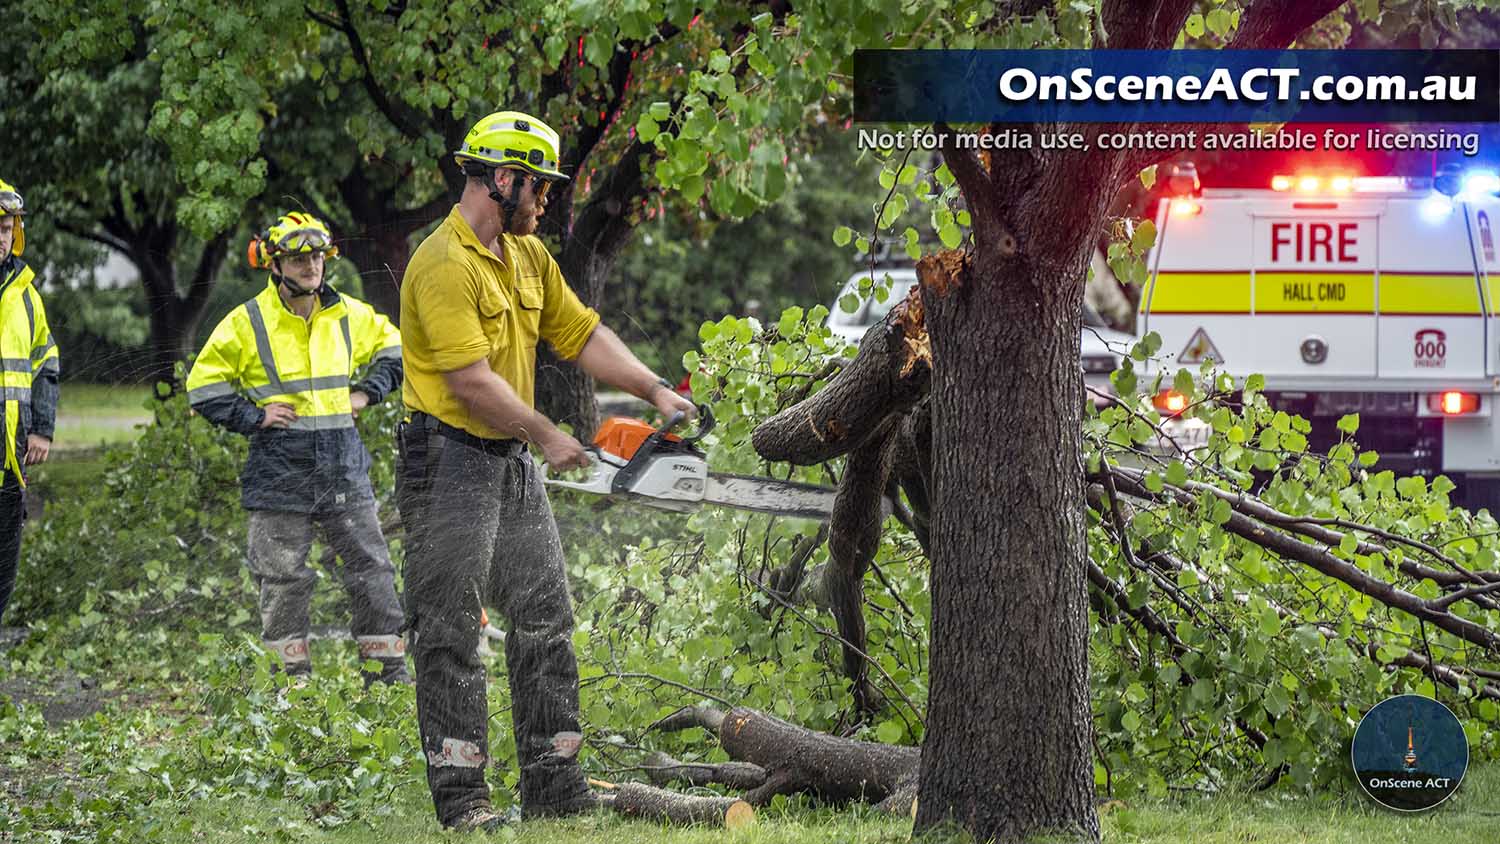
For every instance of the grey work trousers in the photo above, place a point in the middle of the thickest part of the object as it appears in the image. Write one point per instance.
(479, 530)
(279, 544)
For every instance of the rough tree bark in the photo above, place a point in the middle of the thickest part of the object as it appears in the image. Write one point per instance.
(1007, 493)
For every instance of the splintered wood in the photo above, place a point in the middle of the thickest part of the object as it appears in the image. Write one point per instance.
(941, 272)
(913, 324)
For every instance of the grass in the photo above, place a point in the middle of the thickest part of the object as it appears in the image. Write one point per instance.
(1471, 815)
(90, 415)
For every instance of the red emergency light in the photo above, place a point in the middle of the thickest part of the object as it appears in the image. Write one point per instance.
(1453, 403)
(1170, 402)
(1310, 183)
(1186, 208)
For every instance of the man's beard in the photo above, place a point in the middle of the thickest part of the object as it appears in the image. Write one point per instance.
(523, 221)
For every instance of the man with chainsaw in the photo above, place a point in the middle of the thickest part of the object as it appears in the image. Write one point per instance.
(278, 369)
(28, 382)
(479, 294)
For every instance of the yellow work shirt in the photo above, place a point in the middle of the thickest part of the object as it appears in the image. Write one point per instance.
(460, 303)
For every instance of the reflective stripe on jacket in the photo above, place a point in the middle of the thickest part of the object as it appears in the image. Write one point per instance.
(28, 364)
(263, 353)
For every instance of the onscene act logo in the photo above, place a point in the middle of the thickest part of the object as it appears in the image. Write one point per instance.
(1410, 753)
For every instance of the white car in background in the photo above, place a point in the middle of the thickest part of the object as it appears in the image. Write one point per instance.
(1100, 347)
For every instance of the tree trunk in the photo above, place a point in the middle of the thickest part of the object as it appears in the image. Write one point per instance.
(379, 252)
(1007, 749)
(173, 318)
(174, 333)
(564, 392)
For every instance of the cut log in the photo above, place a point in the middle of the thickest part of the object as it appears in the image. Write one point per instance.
(638, 800)
(741, 776)
(797, 759)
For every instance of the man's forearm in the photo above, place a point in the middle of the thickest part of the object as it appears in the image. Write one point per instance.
(489, 398)
(606, 357)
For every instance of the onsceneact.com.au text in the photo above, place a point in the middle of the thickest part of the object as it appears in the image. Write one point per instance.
(1256, 84)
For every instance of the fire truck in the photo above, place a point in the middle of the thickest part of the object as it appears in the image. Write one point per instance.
(1371, 295)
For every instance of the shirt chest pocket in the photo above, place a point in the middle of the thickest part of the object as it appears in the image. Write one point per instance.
(529, 301)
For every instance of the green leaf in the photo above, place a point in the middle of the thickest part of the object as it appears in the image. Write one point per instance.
(1221, 511)
(889, 732)
(950, 236)
(1277, 702)
(1182, 382)
(660, 110)
(1349, 543)
(1153, 481)
(842, 235)
(1130, 721)
(849, 303)
(1349, 423)
(1148, 177)
(1143, 238)
(1194, 26)
(1218, 22)
(646, 129)
(1270, 622)
(1177, 473)
(791, 320)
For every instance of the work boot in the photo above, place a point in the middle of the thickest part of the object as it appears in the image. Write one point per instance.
(479, 819)
(392, 672)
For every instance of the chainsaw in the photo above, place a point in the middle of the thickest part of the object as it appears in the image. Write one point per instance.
(632, 460)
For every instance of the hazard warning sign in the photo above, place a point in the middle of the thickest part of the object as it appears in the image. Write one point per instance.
(1199, 349)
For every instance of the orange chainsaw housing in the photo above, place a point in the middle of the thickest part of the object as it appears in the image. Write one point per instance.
(622, 435)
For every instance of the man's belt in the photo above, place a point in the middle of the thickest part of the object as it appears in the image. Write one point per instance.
(503, 448)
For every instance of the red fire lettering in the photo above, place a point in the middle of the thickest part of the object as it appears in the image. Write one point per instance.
(1278, 231)
(1320, 235)
(1347, 242)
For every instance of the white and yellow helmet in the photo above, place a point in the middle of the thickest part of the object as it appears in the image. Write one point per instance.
(513, 139)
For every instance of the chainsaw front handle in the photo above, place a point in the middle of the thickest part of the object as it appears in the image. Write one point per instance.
(705, 424)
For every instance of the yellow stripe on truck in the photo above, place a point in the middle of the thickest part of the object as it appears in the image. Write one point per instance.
(1303, 292)
(1197, 293)
(1414, 293)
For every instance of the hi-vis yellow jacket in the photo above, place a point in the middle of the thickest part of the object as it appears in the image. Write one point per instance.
(28, 365)
(263, 353)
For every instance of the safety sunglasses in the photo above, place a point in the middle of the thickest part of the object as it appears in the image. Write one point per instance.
(10, 202)
(539, 186)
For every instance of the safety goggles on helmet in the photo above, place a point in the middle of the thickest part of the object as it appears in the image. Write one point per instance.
(11, 203)
(302, 240)
(293, 234)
